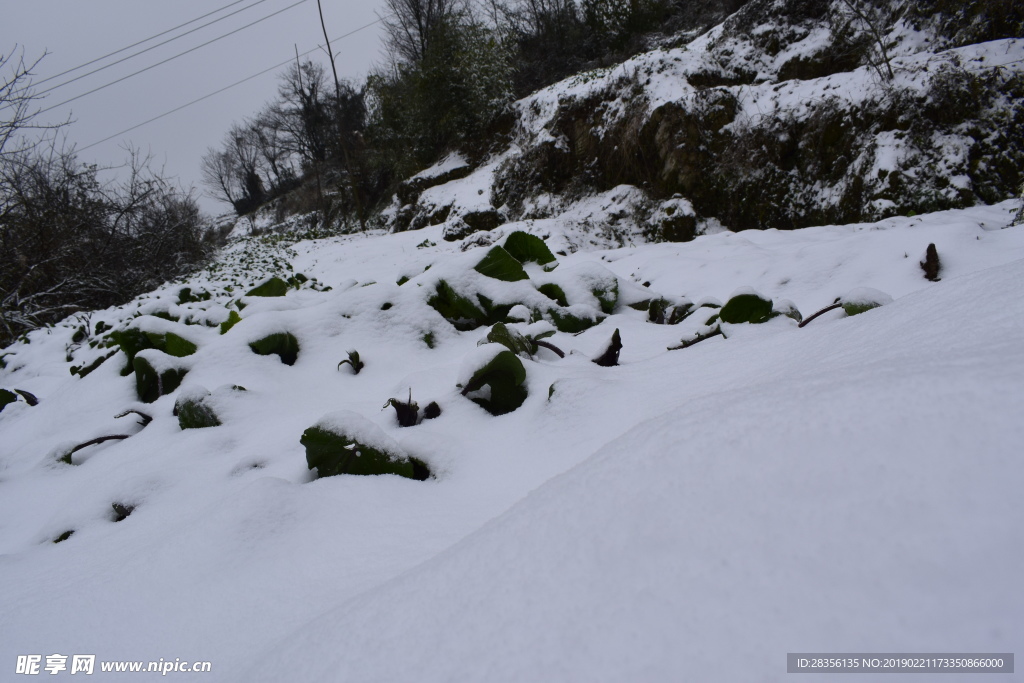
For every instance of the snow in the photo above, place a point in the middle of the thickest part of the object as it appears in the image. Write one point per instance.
(695, 514)
(447, 165)
(866, 296)
(738, 525)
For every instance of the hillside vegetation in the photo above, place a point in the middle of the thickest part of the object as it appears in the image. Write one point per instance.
(786, 115)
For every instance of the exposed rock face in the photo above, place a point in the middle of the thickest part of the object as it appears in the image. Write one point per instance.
(410, 190)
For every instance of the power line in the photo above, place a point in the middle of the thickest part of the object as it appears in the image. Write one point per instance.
(140, 52)
(136, 44)
(227, 87)
(180, 54)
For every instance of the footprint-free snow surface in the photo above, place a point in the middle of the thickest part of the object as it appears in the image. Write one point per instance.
(692, 514)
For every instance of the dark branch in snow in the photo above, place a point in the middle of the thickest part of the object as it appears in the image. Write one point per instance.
(144, 419)
(98, 440)
(821, 312)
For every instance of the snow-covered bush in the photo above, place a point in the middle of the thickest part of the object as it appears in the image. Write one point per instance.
(746, 306)
(863, 299)
(283, 344)
(194, 410)
(275, 286)
(502, 373)
(347, 443)
(156, 374)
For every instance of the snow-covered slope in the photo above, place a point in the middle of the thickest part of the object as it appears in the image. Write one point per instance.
(696, 513)
(856, 489)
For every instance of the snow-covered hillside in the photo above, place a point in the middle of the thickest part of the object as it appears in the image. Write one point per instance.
(689, 514)
(780, 117)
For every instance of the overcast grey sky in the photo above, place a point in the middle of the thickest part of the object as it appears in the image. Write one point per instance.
(76, 31)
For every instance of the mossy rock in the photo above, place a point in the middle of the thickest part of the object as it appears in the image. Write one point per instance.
(275, 286)
(151, 385)
(331, 453)
(284, 344)
(195, 412)
(525, 248)
(504, 375)
(7, 398)
(746, 308)
(501, 265)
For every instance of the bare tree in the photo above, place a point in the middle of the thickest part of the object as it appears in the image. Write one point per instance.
(271, 139)
(411, 25)
(15, 96)
(874, 19)
(302, 112)
(220, 175)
